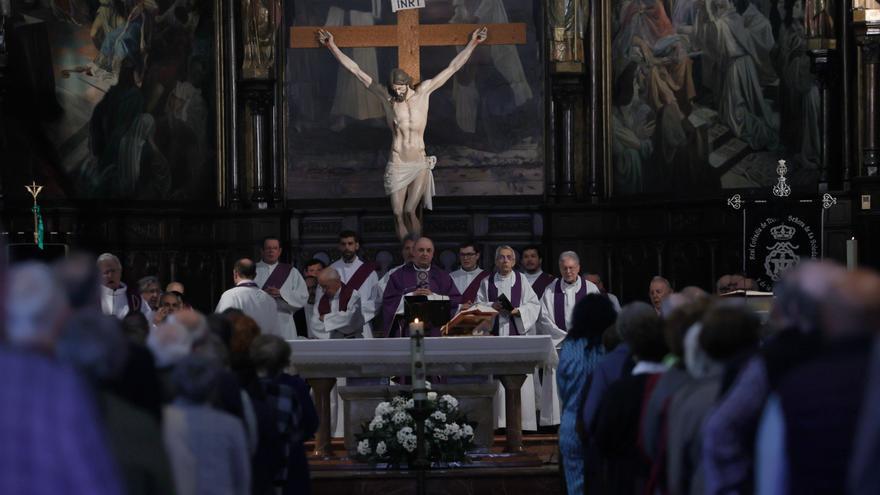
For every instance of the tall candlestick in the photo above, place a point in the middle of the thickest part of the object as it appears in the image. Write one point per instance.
(852, 254)
(417, 351)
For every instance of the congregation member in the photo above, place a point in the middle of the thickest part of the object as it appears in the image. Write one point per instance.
(337, 314)
(596, 279)
(658, 290)
(94, 345)
(116, 299)
(557, 304)
(175, 287)
(247, 297)
(169, 303)
(809, 423)
(51, 425)
(207, 447)
(284, 284)
(419, 278)
(469, 274)
(296, 417)
(580, 351)
(531, 263)
(726, 332)
(730, 429)
(357, 275)
(615, 429)
(150, 291)
(521, 319)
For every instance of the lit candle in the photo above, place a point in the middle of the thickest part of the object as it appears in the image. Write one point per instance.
(417, 351)
(852, 254)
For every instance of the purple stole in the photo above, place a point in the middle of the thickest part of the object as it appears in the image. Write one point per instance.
(360, 276)
(406, 280)
(515, 295)
(470, 293)
(541, 283)
(559, 302)
(278, 276)
(344, 296)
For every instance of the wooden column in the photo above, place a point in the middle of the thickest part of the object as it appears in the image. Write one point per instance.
(513, 410)
(567, 91)
(322, 387)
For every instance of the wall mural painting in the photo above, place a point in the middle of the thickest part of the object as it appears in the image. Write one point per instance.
(126, 92)
(710, 94)
(485, 126)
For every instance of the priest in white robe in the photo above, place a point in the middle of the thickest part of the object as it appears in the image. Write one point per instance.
(284, 284)
(247, 297)
(336, 314)
(557, 304)
(520, 320)
(357, 275)
(469, 276)
(116, 298)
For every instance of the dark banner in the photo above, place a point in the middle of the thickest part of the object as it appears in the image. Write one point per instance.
(778, 236)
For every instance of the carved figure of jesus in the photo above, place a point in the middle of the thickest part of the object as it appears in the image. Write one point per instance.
(408, 174)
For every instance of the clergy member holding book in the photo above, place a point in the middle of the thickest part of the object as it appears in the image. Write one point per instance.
(284, 284)
(468, 278)
(419, 278)
(557, 304)
(357, 275)
(518, 307)
(337, 311)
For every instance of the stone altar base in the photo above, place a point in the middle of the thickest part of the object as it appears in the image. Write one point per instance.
(474, 400)
(533, 472)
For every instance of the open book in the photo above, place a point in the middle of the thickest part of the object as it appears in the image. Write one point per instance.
(474, 321)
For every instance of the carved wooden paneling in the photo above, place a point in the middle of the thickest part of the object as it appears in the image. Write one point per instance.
(444, 225)
(321, 228)
(510, 224)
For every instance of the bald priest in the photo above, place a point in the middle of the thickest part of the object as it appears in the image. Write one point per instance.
(419, 278)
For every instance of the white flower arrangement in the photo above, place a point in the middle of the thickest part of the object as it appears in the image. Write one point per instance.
(364, 447)
(390, 436)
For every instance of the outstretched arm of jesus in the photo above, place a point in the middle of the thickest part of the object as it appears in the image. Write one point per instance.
(326, 39)
(477, 37)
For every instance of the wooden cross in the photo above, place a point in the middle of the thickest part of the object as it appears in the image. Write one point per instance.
(408, 36)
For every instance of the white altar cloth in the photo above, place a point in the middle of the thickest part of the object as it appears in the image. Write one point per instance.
(443, 356)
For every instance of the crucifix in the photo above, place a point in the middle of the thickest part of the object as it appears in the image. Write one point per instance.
(408, 36)
(408, 180)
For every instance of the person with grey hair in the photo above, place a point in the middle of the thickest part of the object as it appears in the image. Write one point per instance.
(36, 307)
(557, 304)
(249, 298)
(169, 343)
(520, 317)
(94, 344)
(207, 447)
(288, 395)
(150, 291)
(116, 299)
(658, 290)
(337, 313)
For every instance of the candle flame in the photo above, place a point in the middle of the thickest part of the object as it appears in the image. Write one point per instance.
(416, 320)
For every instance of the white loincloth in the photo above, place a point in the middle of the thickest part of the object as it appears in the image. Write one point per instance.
(401, 174)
